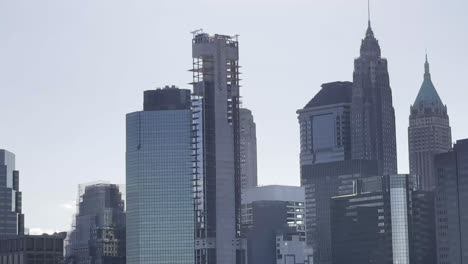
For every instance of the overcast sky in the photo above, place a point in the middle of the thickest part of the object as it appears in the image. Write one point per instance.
(70, 70)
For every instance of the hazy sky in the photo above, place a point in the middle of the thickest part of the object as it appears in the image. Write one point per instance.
(70, 70)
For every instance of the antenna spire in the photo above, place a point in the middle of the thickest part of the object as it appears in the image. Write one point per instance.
(368, 13)
(427, 73)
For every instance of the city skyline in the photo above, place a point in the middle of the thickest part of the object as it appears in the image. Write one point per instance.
(102, 157)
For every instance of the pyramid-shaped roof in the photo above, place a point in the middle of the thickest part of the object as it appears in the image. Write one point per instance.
(428, 94)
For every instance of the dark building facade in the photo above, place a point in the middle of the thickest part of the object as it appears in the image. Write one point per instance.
(373, 135)
(322, 182)
(11, 217)
(386, 221)
(160, 206)
(98, 235)
(32, 249)
(423, 230)
(268, 211)
(451, 204)
(429, 132)
(325, 125)
(326, 166)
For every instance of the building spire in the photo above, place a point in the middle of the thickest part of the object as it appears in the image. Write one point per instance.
(369, 32)
(427, 73)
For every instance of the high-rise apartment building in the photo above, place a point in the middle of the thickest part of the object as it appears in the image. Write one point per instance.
(268, 211)
(451, 204)
(98, 235)
(160, 205)
(11, 218)
(248, 149)
(373, 135)
(385, 222)
(216, 144)
(429, 132)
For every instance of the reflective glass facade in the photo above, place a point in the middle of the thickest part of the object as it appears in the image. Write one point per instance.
(160, 215)
(399, 212)
(11, 219)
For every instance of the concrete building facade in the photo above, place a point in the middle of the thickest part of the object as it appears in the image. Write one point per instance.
(291, 249)
(216, 144)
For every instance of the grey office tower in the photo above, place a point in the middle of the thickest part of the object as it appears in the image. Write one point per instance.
(373, 135)
(160, 213)
(429, 132)
(248, 149)
(326, 166)
(98, 235)
(11, 218)
(217, 148)
(451, 204)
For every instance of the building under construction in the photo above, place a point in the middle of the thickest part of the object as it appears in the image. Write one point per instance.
(98, 234)
(216, 146)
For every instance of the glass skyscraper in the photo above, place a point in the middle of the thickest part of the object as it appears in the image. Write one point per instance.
(160, 213)
(11, 218)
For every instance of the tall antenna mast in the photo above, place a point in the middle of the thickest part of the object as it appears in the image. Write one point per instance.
(368, 13)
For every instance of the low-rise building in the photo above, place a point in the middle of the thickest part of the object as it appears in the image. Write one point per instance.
(32, 249)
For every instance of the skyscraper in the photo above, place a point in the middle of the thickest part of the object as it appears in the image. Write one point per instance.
(326, 166)
(372, 114)
(451, 204)
(11, 218)
(160, 208)
(98, 235)
(429, 132)
(248, 149)
(325, 125)
(217, 168)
